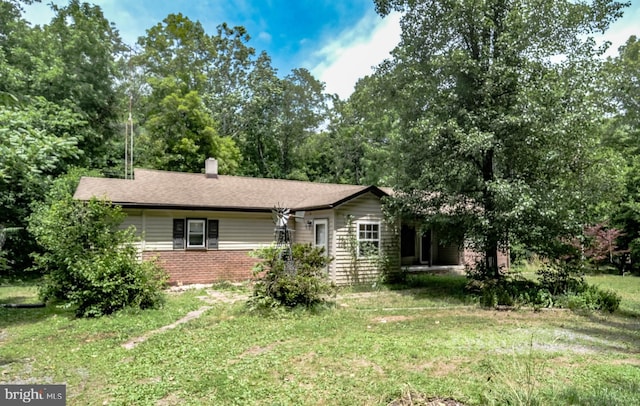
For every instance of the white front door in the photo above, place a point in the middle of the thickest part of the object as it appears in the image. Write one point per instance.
(321, 234)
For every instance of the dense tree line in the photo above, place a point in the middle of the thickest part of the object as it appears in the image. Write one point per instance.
(499, 118)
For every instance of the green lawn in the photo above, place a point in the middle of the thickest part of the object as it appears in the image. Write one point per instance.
(367, 349)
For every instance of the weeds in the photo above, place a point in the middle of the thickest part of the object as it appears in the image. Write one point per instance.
(517, 381)
(354, 353)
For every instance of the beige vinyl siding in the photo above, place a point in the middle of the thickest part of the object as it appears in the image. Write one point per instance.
(246, 233)
(303, 233)
(158, 232)
(364, 208)
(304, 229)
(237, 231)
(134, 218)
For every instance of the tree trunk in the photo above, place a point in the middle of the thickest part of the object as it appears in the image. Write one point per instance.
(491, 234)
(491, 260)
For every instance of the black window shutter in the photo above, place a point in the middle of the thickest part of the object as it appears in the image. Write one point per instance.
(212, 234)
(178, 234)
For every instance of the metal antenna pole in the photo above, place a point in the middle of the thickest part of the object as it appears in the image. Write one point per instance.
(131, 134)
(126, 150)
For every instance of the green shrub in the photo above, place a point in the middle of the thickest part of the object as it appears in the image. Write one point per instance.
(511, 291)
(109, 282)
(558, 286)
(609, 300)
(88, 261)
(592, 298)
(561, 278)
(306, 283)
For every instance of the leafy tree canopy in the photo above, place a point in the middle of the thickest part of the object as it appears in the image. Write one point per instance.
(500, 116)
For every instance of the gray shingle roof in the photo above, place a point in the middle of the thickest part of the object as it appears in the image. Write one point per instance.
(152, 188)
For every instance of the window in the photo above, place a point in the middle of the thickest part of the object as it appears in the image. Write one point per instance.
(368, 239)
(195, 233)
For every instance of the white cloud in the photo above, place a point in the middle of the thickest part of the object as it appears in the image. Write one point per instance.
(265, 36)
(621, 30)
(352, 55)
(355, 52)
(40, 13)
(128, 25)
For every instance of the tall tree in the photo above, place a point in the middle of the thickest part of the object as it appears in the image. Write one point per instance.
(279, 117)
(180, 135)
(302, 112)
(363, 130)
(259, 119)
(74, 65)
(179, 59)
(35, 147)
(57, 105)
(227, 79)
(623, 79)
(499, 115)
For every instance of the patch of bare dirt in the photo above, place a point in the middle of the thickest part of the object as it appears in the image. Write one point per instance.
(189, 316)
(412, 398)
(169, 400)
(626, 361)
(215, 296)
(391, 319)
(155, 379)
(257, 350)
(252, 352)
(364, 363)
(443, 368)
(184, 288)
(437, 368)
(212, 297)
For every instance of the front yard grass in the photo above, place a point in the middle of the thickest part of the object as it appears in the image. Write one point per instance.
(367, 349)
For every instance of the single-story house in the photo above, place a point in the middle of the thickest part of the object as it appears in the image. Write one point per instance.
(201, 227)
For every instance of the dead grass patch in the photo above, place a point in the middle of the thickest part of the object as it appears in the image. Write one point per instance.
(189, 316)
(438, 368)
(363, 363)
(391, 319)
(150, 380)
(626, 361)
(256, 350)
(253, 351)
(169, 400)
(413, 398)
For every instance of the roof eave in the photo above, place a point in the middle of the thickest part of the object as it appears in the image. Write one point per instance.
(162, 206)
(373, 189)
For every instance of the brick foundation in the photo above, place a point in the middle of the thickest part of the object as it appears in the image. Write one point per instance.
(187, 267)
(471, 258)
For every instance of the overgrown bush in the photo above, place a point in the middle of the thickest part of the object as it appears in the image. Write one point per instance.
(303, 282)
(511, 291)
(559, 285)
(561, 277)
(592, 298)
(88, 261)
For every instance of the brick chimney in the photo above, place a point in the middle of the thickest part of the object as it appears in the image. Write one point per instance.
(211, 168)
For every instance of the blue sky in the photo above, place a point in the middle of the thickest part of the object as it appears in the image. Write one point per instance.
(337, 40)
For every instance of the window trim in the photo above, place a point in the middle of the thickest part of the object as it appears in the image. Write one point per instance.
(325, 244)
(364, 240)
(188, 233)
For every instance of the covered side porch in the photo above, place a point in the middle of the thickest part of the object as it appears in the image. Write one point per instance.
(422, 251)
